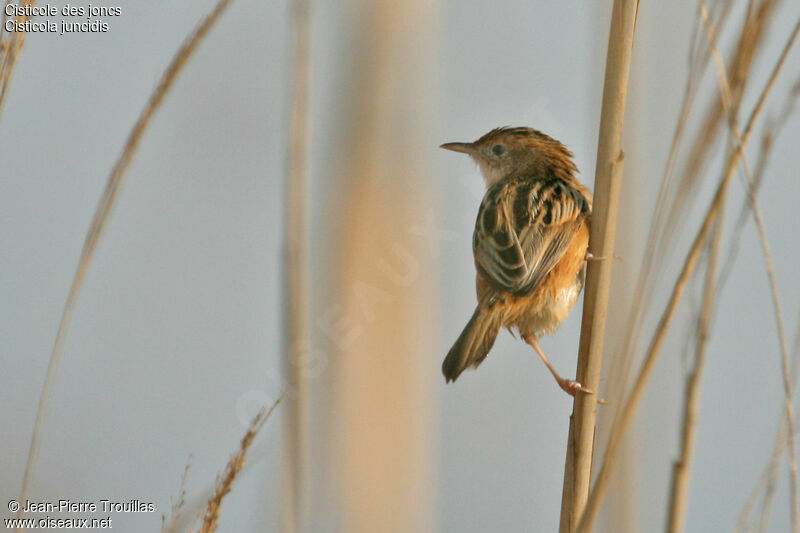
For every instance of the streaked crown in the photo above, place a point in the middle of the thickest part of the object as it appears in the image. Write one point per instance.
(509, 151)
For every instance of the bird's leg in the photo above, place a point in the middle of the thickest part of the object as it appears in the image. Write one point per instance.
(569, 386)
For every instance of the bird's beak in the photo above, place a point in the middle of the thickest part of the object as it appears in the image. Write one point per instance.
(464, 148)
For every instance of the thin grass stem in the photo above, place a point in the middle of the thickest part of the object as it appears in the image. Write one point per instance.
(9, 51)
(232, 469)
(682, 467)
(785, 366)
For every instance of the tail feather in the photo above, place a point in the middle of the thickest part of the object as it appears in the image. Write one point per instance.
(474, 343)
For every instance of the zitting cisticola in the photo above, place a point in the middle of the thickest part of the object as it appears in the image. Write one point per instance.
(530, 244)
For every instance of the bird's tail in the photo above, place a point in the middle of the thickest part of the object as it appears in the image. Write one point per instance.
(473, 344)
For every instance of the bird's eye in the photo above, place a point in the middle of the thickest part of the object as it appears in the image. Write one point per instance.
(498, 149)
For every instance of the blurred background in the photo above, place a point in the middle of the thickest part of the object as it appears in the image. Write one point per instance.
(177, 337)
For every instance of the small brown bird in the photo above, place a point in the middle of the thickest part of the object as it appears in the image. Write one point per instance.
(530, 244)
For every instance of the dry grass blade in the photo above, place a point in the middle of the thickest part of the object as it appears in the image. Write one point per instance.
(788, 403)
(580, 445)
(623, 421)
(661, 234)
(667, 220)
(101, 215)
(679, 491)
(177, 505)
(785, 370)
(232, 469)
(765, 483)
(771, 476)
(298, 278)
(9, 50)
(629, 407)
(785, 366)
(771, 132)
(751, 36)
(796, 345)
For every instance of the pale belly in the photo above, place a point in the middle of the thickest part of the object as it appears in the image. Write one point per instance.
(546, 318)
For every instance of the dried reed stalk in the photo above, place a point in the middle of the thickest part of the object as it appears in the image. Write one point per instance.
(629, 408)
(771, 475)
(667, 220)
(785, 367)
(681, 469)
(232, 469)
(380, 376)
(298, 277)
(767, 480)
(750, 37)
(608, 178)
(679, 491)
(620, 514)
(773, 284)
(700, 52)
(100, 219)
(680, 479)
(653, 258)
(772, 130)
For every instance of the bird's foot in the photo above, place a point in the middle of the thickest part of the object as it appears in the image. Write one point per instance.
(572, 387)
(591, 257)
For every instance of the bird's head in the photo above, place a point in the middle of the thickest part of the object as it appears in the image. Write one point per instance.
(510, 150)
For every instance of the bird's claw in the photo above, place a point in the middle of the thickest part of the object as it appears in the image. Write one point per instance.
(592, 257)
(572, 387)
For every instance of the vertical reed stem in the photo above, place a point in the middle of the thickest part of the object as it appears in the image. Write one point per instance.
(298, 278)
(578, 468)
(628, 409)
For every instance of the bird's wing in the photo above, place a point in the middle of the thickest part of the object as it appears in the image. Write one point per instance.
(524, 227)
